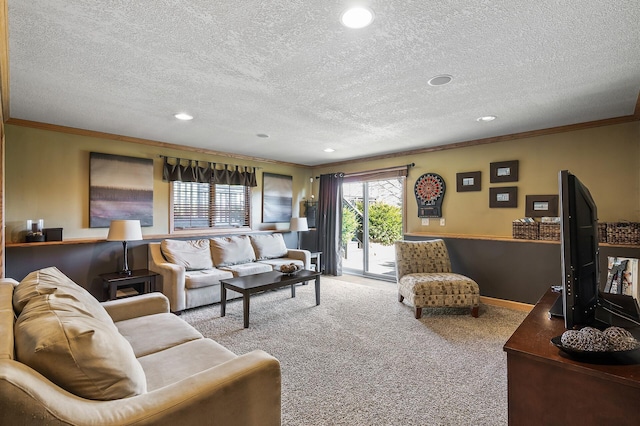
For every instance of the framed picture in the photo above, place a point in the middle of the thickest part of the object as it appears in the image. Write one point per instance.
(503, 197)
(541, 205)
(504, 171)
(277, 198)
(120, 188)
(622, 276)
(468, 181)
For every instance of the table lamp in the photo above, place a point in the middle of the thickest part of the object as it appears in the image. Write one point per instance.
(298, 224)
(125, 230)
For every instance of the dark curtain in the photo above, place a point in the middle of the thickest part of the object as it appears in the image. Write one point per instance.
(211, 173)
(329, 223)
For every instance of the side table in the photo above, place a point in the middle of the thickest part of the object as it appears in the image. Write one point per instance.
(140, 281)
(315, 259)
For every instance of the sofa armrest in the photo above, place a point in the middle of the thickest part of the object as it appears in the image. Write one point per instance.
(9, 281)
(172, 277)
(243, 391)
(137, 306)
(303, 255)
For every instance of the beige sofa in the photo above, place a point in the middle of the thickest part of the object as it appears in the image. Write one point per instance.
(66, 359)
(191, 270)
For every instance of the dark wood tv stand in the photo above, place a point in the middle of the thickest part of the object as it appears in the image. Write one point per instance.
(546, 387)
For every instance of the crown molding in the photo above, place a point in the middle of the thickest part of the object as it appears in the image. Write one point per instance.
(148, 142)
(495, 139)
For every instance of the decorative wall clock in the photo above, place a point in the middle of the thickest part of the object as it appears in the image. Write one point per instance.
(429, 190)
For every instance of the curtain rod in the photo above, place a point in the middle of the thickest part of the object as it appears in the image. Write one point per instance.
(385, 169)
(205, 161)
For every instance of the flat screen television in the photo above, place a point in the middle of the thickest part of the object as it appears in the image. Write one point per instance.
(583, 304)
(579, 249)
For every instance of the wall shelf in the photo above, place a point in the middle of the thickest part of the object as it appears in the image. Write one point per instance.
(508, 239)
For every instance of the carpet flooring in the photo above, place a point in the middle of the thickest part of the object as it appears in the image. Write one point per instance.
(361, 358)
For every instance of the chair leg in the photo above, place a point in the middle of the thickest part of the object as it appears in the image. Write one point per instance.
(418, 313)
(400, 298)
(474, 312)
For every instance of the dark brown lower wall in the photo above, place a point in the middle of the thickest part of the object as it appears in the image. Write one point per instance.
(84, 262)
(517, 270)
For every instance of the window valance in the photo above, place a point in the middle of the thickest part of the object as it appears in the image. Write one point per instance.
(226, 174)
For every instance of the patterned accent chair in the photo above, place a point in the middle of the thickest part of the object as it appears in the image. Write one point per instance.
(423, 273)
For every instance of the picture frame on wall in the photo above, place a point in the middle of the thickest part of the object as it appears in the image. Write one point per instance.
(503, 197)
(504, 171)
(277, 198)
(541, 205)
(120, 187)
(468, 181)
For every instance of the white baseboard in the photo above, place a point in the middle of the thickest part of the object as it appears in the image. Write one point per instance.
(518, 306)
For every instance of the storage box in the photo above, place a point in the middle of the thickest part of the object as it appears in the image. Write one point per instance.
(52, 234)
(525, 230)
(602, 232)
(549, 231)
(623, 233)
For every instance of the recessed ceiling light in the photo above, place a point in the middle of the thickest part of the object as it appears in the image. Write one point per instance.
(486, 118)
(183, 116)
(329, 150)
(357, 17)
(262, 135)
(440, 80)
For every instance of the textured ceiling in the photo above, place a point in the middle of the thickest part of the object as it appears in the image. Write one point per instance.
(287, 68)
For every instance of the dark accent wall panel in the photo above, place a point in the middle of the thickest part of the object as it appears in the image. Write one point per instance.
(80, 262)
(84, 262)
(520, 271)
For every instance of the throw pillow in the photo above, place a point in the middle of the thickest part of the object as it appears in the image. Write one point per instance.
(268, 246)
(234, 250)
(55, 336)
(52, 281)
(192, 254)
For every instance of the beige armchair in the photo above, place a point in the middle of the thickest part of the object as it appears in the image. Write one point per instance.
(425, 279)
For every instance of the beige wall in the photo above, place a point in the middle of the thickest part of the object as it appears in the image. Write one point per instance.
(47, 176)
(605, 159)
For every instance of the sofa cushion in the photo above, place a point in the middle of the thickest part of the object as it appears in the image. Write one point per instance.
(205, 278)
(153, 333)
(232, 250)
(51, 280)
(268, 246)
(55, 336)
(245, 269)
(181, 361)
(7, 318)
(192, 254)
(277, 263)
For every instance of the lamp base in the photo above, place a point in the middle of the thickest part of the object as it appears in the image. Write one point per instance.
(126, 272)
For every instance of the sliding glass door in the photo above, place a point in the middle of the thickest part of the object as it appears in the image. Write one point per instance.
(371, 222)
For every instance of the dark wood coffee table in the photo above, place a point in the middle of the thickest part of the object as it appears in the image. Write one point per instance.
(262, 282)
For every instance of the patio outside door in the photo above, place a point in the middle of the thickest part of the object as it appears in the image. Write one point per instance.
(372, 219)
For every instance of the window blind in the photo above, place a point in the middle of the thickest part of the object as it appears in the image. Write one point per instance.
(202, 205)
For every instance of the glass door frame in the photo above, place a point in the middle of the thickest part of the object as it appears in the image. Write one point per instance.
(365, 230)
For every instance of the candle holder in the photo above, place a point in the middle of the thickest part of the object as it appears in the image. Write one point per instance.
(34, 231)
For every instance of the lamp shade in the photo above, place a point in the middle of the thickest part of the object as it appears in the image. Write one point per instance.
(298, 224)
(124, 230)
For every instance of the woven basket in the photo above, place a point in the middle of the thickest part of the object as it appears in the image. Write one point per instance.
(525, 231)
(549, 231)
(623, 233)
(602, 232)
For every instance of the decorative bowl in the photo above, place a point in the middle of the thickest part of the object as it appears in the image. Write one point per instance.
(289, 269)
(631, 356)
